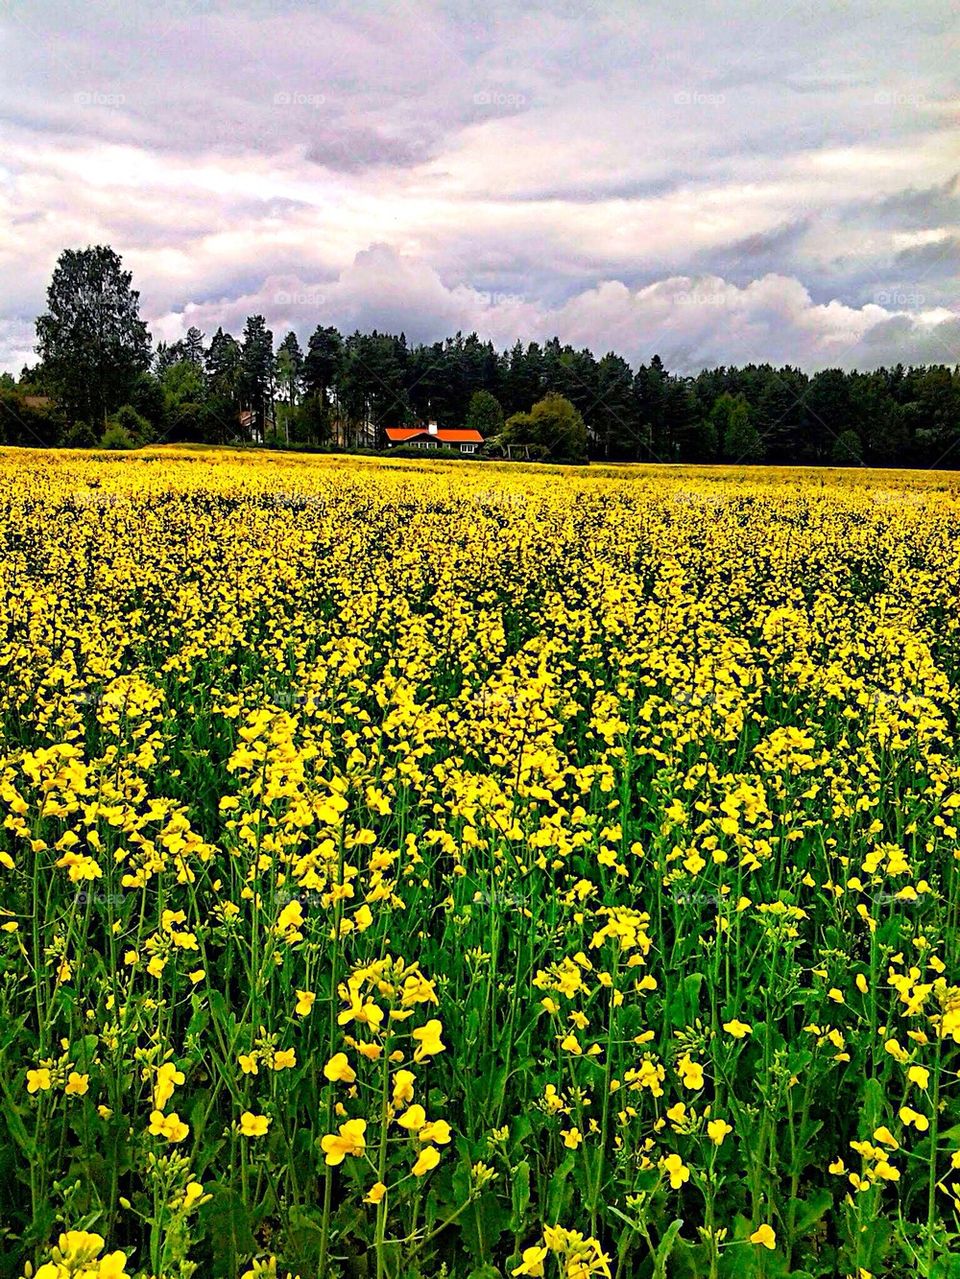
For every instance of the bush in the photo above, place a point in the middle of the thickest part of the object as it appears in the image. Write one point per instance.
(117, 437)
(134, 423)
(79, 435)
(27, 424)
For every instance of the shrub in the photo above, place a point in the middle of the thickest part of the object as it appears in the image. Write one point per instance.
(117, 437)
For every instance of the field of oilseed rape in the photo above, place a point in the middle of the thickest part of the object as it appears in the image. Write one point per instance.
(472, 870)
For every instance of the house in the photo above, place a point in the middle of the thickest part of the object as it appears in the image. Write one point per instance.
(432, 436)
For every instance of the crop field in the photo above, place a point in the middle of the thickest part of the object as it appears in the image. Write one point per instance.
(422, 869)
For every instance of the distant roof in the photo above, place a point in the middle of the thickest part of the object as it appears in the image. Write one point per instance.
(400, 434)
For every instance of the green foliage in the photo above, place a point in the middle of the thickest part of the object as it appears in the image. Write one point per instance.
(732, 420)
(79, 435)
(553, 430)
(484, 415)
(126, 429)
(847, 450)
(27, 423)
(117, 437)
(91, 339)
(95, 355)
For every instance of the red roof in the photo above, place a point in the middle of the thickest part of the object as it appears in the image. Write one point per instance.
(444, 435)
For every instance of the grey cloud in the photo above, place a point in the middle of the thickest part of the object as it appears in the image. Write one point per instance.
(520, 165)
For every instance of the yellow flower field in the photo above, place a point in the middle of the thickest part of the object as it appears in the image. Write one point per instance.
(412, 869)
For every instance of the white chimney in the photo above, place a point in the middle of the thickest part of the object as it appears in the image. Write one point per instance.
(432, 428)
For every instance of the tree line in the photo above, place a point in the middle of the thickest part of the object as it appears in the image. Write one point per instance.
(99, 380)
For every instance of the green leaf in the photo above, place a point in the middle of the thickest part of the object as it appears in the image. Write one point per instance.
(558, 1191)
(665, 1248)
(520, 1194)
(810, 1210)
(227, 1226)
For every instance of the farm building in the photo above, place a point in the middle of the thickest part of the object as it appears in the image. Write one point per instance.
(432, 436)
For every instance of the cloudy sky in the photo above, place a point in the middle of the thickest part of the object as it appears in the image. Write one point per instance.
(718, 182)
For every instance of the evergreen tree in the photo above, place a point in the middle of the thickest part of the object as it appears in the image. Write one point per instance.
(256, 374)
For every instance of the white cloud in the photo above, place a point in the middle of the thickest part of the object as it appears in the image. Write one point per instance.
(691, 321)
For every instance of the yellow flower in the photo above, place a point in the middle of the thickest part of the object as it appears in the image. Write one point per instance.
(192, 1195)
(914, 1117)
(676, 1170)
(168, 1077)
(305, 1001)
(78, 1254)
(717, 1129)
(691, 1072)
(375, 1193)
(532, 1264)
(338, 1069)
(413, 1119)
(764, 1235)
(428, 1159)
(348, 1141)
(248, 1064)
(919, 1075)
(170, 1126)
(572, 1137)
(403, 1082)
(438, 1131)
(368, 1014)
(77, 1085)
(286, 1059)
(38, 1080)
(738, 1029)
(428, 1040)
(252, 1125)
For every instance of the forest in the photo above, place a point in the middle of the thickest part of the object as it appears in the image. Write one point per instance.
(100, 380)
